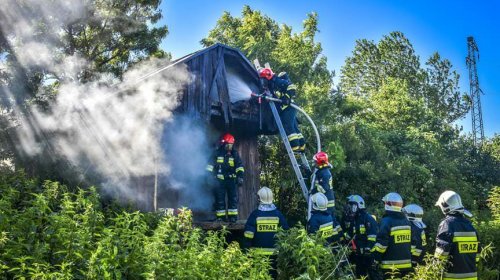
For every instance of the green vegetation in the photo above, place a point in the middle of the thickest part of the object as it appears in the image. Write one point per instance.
(388, 126)
(48, 232)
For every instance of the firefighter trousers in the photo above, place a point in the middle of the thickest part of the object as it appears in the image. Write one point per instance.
(364, 267)
(229, 187)
(289, 120)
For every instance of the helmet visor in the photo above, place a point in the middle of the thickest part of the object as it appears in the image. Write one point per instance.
(353, 207)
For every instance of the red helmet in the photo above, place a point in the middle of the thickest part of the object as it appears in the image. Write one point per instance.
(227, 139)
(321, 158)
(266, 73)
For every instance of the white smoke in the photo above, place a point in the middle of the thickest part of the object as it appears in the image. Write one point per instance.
(238, 88)
(115, 131)
(187, 151)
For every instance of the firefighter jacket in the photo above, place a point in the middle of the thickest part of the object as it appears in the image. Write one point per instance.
(457, 242)
(283, 89)
(326, 225)
(323, 184)
(226, 166)
(418, 243)
(362, 228)
(261, 228)
(393, 243)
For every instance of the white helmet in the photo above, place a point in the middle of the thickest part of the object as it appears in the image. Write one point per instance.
(356, 199)
(414, 213)
(319, 201)
(393, 202)
(450, 202)
(265, 195)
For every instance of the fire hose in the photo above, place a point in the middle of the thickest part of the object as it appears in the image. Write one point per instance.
(269, 98)
(318, 140)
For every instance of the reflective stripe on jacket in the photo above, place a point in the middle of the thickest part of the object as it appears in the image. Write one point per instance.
(363, 228)
(392, 246)
(261, 228)
(225, 166)
(326, 225)
(283, 89)
(458, 243)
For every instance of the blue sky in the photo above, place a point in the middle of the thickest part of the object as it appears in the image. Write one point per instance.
(431, 26)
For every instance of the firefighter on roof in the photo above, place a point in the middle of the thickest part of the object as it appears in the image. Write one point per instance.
(281, 87)
(227, 168)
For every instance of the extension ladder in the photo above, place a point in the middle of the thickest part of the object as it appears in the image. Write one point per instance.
(291, 154)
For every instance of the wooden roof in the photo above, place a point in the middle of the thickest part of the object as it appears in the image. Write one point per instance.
(209, 97)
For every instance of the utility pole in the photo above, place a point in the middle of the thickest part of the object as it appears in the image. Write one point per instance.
(475, 92)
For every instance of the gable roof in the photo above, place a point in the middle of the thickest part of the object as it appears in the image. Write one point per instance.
(209, 96)
(214, 46)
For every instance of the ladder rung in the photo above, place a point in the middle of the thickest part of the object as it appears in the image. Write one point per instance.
(290, 152)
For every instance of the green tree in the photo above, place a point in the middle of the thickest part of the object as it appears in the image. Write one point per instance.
(86, 40)
(391, 126)
(398, 130)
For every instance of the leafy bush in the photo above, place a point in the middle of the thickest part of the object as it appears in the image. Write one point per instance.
(489, 233)
(302, 256)
(47, 232)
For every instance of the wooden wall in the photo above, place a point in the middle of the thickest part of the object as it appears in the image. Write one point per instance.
(247, 148)
(208, 91)
(207, 98)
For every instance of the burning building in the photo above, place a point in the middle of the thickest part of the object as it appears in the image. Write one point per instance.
(218, 99)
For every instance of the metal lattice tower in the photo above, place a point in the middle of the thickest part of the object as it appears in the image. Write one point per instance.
(475, 92)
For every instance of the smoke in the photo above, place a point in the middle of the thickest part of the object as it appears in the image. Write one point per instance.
(239, 89)
(187, 151)
(117, 129)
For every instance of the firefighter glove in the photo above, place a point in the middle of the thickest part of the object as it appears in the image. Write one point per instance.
(240, 181)
(286, 101)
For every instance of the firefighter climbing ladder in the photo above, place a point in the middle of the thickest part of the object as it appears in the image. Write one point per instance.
(291, 154)
(284, 137)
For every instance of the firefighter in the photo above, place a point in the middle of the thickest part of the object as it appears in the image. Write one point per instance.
(281, 87)
(323, 180)
(361, 229)
(392, 249)
(262, 225)
(321, 221)
(414, 214)
(457, 240)
(228, 170)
